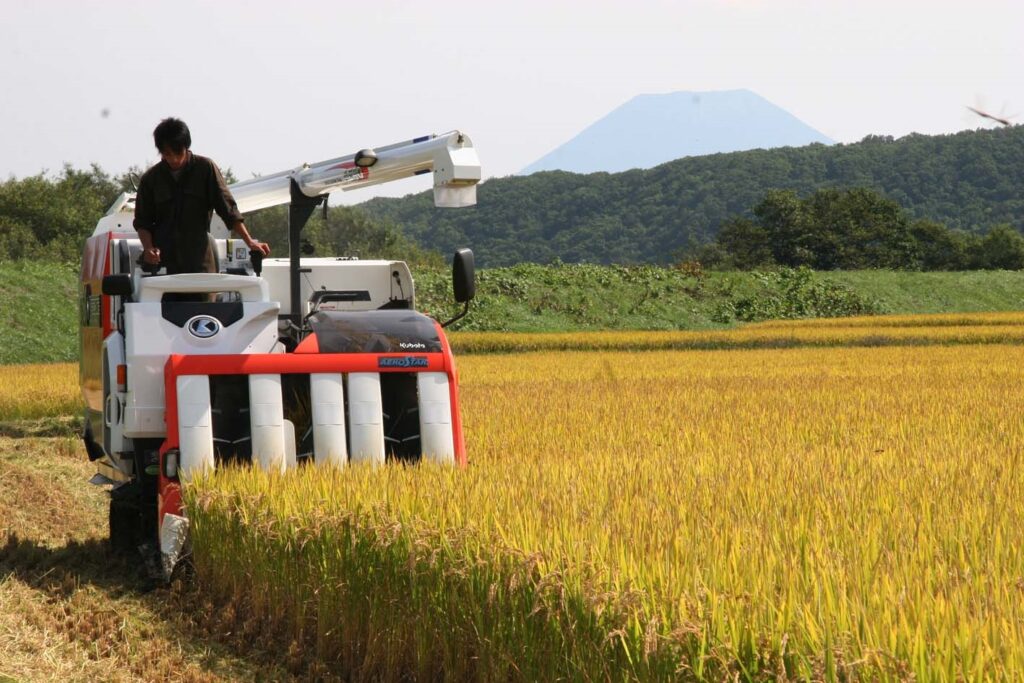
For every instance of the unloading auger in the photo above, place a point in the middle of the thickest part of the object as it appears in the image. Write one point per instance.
(279, 362)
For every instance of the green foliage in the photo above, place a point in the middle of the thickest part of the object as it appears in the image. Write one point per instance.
(42, 217)
(49, 218)
(851, 230)
(939, 248)
(834, 230)
(38, 312)
(530, 297)
(969, 182)
(1002, 248)
(795, 293)
(347, 231)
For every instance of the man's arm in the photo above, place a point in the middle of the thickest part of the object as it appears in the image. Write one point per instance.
(253, 244)
(143, 222)
(226, 207)
(150, 254)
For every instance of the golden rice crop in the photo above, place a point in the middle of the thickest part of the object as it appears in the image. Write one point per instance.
(32, 391)
(804, 513)
(777, 335)
(910, 320)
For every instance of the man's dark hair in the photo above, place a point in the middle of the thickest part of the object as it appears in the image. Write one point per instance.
(172, 135)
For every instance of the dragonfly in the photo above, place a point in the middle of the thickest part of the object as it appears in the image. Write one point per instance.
(993, 117)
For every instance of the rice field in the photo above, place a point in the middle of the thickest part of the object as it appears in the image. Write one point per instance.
(39, 390)
(920, 330)
(829, 509)
(809, 513)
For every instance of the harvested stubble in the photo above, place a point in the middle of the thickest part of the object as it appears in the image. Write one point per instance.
(812, 513)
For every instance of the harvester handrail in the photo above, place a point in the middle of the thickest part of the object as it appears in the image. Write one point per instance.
(152, 289)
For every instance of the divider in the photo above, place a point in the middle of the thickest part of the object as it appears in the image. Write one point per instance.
(266, 419)
(436, 439)
(327, 396)
(195, 426)
(366, 418)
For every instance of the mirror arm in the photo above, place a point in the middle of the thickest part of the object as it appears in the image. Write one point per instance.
(460, 316)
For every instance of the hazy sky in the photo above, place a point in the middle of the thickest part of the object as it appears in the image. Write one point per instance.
(265, 86)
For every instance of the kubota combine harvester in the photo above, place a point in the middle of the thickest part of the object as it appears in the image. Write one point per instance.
(278, 362)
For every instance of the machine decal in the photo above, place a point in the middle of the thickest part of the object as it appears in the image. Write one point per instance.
(402, 362)
(350, 172)
(181, 313)
(203, 326)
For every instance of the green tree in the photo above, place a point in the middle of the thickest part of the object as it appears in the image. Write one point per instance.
(781, 215)
(856, 228)
(844, 229)
(746, 245)
(57, 212)
(939, 248)
(1002, 249)
(347, 231)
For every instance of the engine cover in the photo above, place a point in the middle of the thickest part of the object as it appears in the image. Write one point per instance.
(384, 331)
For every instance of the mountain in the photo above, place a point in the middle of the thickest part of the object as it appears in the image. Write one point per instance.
(652, 129)
(970, 180)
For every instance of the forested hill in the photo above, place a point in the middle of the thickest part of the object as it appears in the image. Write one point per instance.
(970, 181)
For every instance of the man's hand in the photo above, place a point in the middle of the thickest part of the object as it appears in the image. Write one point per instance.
(250, 241)
(261, 247)
(151, 256)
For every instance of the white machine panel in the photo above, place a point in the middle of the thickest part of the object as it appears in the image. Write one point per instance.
(366, 418)
(436, 439)
(290, 453)
(114, 442)
(374, 277)
(150, 339)
(327, 395)
(195, 426)
(266, 419)
(149, 290)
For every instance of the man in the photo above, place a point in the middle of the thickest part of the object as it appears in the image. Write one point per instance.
(173, 206)
(175, 201)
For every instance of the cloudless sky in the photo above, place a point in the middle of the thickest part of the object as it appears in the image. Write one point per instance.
(267, 85)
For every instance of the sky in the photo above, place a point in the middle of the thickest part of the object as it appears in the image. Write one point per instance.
(266, 86)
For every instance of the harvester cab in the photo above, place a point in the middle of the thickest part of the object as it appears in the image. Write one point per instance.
(277, 361)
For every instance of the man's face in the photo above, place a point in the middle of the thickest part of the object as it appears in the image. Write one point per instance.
(175, 159)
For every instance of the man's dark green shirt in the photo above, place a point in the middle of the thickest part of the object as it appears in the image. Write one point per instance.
(177, 212)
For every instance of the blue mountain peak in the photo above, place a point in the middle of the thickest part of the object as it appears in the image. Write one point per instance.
(649, 130)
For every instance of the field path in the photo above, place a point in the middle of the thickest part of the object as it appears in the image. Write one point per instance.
(71, 611)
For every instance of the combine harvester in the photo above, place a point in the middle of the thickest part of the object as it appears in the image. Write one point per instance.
(273, 361)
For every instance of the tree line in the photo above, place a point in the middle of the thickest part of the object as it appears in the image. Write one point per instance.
(48, 217)
(853, 229)
(919, 202)
(970, 181)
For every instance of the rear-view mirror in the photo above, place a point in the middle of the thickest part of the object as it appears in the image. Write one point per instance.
(464, 275)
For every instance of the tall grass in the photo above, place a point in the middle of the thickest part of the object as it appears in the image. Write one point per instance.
(34, 391)
(805, 513)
